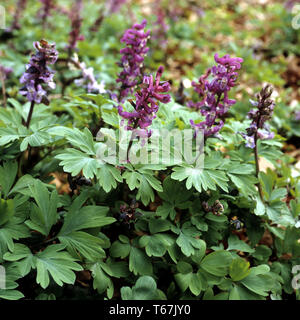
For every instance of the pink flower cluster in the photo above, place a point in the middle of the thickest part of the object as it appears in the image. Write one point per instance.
(213, 88)
(147, 101)
(132, 60)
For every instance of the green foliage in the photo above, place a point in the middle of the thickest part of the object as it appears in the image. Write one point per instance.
(144, 289)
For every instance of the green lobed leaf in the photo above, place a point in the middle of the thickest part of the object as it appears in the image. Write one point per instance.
(234, 243)
(8, 172)
(57, 263)
(239, 269)
(139, 263)
(43, 214)
(217, 263)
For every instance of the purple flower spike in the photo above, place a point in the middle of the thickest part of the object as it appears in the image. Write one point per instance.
(213, 93)
(133, 57)
(147, 98)
(76, 20)
(38, 73)
(259, 129)
(227, 61)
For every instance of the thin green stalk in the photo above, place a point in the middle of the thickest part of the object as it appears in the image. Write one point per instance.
(30, 114)
(27, 126)
(257, 167)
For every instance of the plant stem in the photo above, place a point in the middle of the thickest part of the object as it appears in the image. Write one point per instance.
(29, 114)
(135, 125)
(257, 167)
(50, 240)
(131, 141)
(27, 126)
(3, 89)
(128, 150)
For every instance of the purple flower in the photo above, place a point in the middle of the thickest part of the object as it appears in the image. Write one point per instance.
(133, 57)
(38, 73)
(33, 92)
(147, 99)
(250, 143)
(213, 93)
(259, 129)
(76, 21)
(297, 115)
(129, 213)
(88, 80)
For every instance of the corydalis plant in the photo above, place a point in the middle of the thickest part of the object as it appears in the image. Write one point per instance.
(20, 7)
(88, 80)
(37, 74)
(147, 102)
(259, 129)
(45, 11)
(213, 93)
(132, 60)
(76, 21)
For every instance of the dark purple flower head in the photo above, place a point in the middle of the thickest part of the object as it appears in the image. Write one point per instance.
(46, 53)
(129, 213)
(213, 88)
(38, 73)
(259, 129)
(147, 101)
(76, 21)
(133, 57)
